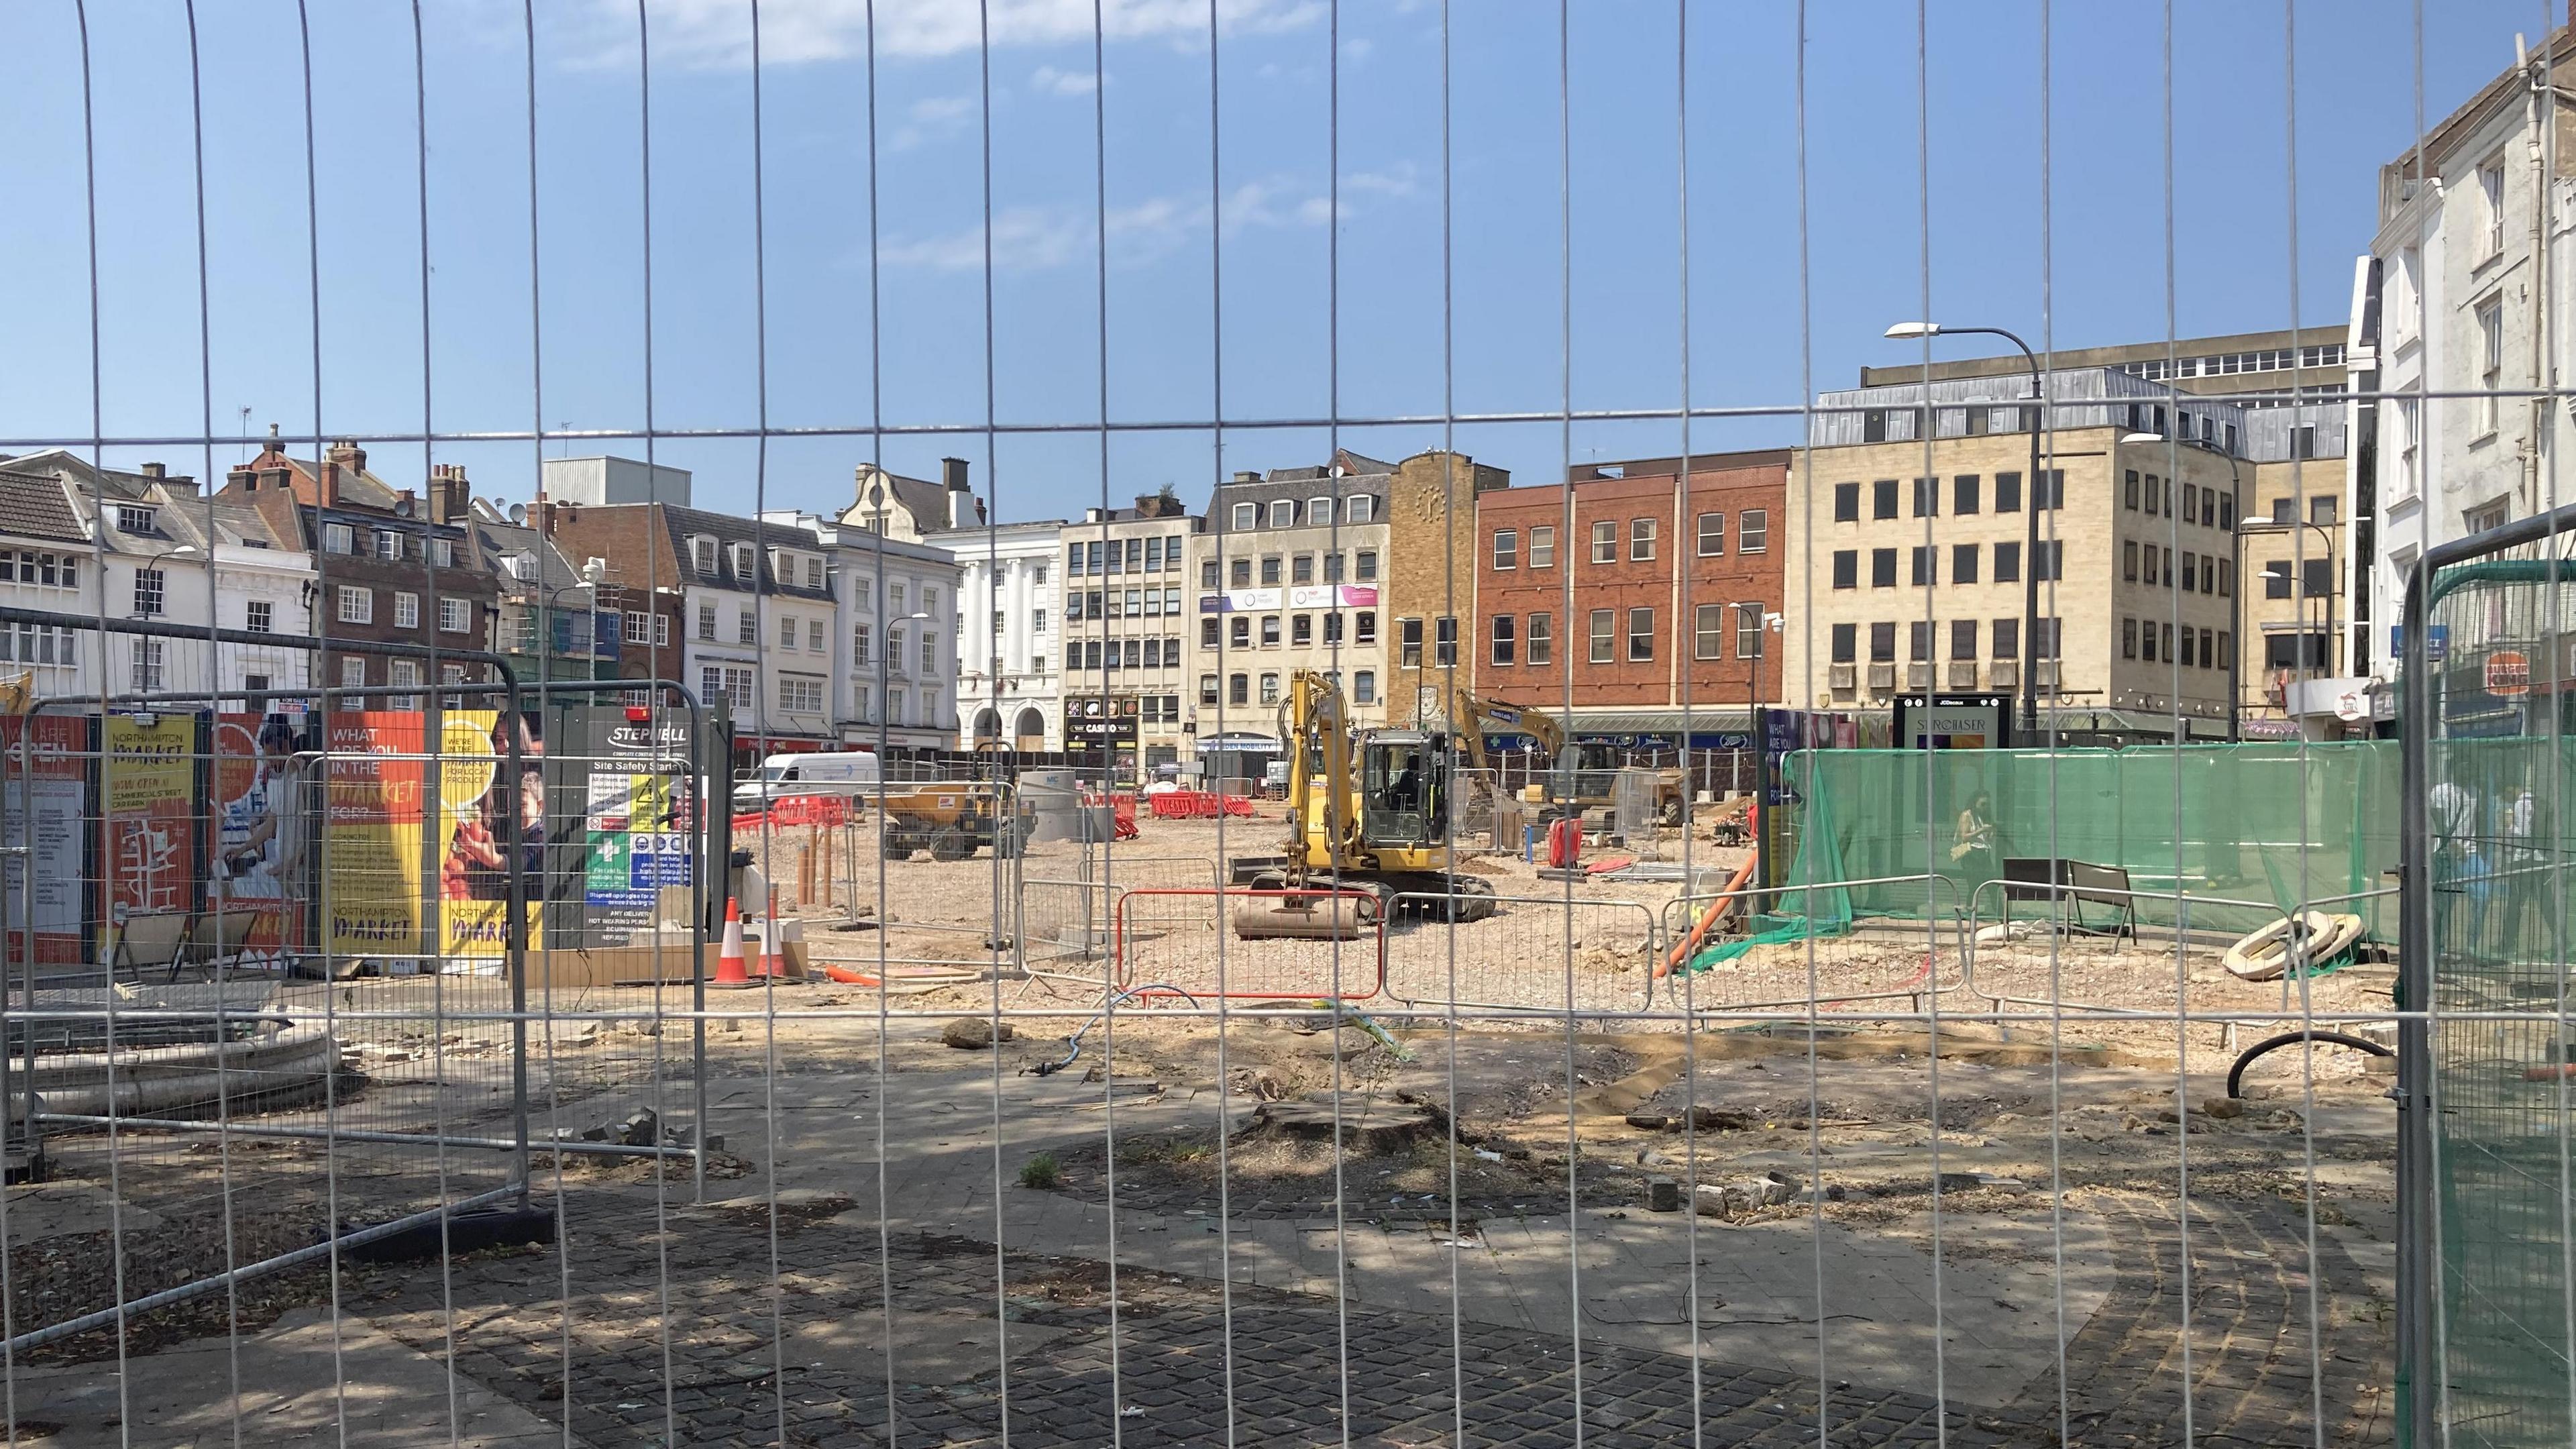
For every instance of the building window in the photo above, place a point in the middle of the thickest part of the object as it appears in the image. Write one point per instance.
(1364, 628)
(1918, 641)
(1882, 498)
(859, 646)
(1207, 689)
(1641, 634)
(1882, 568)
(2129, 560)
(133, 519)
(1409, 644)
(353, 671)
(149, 657)
(1319, 512)
(1445, 633)
(1846, 503)
(259, 616)
(2007, 493)
(1749, 632)
(786, 632)
(702, 553)
(1603, 635)
(339, 538)
(1882, 643)
(150, 589)
(455, 616)
(2190, 571)
(746, 626)
(1332, 629)
(1269, 689)
(2490, 364)
(1301, 569)
(1238, 687)
(2049, 564)
(2051, 492)
(1963, 494)
(930, 652)
(1708, 634)
(2276, 579)
(2322, 510)
(2007, 563)
(1507, 549)
(1283, 512)
(1504, 640)
(2491, 208)
(1921, 564)
(1208, 573)
(1605, 543)
(403, 672)
(389, 546)
(2147, 645)
(1359, 508)
(1963, 563)
(1270, 631)
(357, 606)
(2006, 634)
(1963, 640)
(1846, 643)
(406, 610)
(1641, 539)
(1270, 571)
(1364, 565)
(1846, 568)
(1301, 629)
(1239, 632)
(1927, 497)
(2128, 638)
(1541, 640)
(635, 624)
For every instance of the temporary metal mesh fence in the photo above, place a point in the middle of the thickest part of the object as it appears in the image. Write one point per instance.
(412, 1038)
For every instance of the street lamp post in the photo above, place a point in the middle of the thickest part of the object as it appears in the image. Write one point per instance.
(2318, 669)
(2236, 561)
(2031, 495)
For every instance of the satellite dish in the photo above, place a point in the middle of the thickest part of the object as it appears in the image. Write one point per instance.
(518, 513)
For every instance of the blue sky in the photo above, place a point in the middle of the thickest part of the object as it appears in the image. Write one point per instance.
(1276, 201)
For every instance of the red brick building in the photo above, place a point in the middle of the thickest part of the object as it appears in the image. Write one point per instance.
(1669, 587)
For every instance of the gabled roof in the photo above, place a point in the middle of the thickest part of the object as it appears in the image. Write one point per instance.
(495, 544)
(34, 505)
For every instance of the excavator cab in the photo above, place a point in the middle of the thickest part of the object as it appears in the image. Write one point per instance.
(1404, 789)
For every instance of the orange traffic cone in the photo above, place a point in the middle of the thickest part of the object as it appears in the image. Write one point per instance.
(729, 970)
(773, 960)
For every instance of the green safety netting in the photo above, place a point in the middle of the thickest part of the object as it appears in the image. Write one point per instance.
(2196, 828)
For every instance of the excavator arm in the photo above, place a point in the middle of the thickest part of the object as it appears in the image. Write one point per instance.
(1315, 727)
(1471, 715)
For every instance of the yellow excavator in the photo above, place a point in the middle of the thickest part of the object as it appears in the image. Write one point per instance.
(1368, 822)
(1576, 782)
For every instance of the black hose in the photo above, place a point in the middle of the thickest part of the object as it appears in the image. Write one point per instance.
(2236, 1073)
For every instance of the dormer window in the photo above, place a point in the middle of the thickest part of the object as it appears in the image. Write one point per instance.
(523, 567)
(1283, 512)
(1359, 508)
(742, 564)
(130, 519)
(1319, 511)
(389, 544)
(702, 551)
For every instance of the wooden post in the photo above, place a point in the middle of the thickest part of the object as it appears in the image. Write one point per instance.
(805, 871)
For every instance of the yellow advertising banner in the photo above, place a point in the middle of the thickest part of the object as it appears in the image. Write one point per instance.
(380, 829)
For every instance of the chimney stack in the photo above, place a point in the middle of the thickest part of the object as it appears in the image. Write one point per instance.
(342, 455)
(451, 498)
(961, 497)
(156, 472)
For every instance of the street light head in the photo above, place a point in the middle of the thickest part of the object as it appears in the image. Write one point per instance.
(1908, 331)
(2144, 439)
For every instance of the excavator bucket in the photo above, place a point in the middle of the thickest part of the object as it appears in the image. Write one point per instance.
(1302, 917)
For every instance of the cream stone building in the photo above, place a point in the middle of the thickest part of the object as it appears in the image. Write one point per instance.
(1908, 555)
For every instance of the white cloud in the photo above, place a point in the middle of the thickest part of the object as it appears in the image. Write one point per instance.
(1396, 180)
(718, 32)
(1048, 81)
(931, 118)
(1037, 238)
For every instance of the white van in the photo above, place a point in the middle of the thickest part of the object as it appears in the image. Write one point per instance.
(839, 772)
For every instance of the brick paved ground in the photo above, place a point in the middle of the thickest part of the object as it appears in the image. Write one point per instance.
(1285, 1376)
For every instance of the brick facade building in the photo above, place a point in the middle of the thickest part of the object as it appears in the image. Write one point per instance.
(1644, 594)
(1429, 596)
(391, 566)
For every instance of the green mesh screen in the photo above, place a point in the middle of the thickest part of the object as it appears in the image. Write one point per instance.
(2199, 825)
(2503, 1304)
